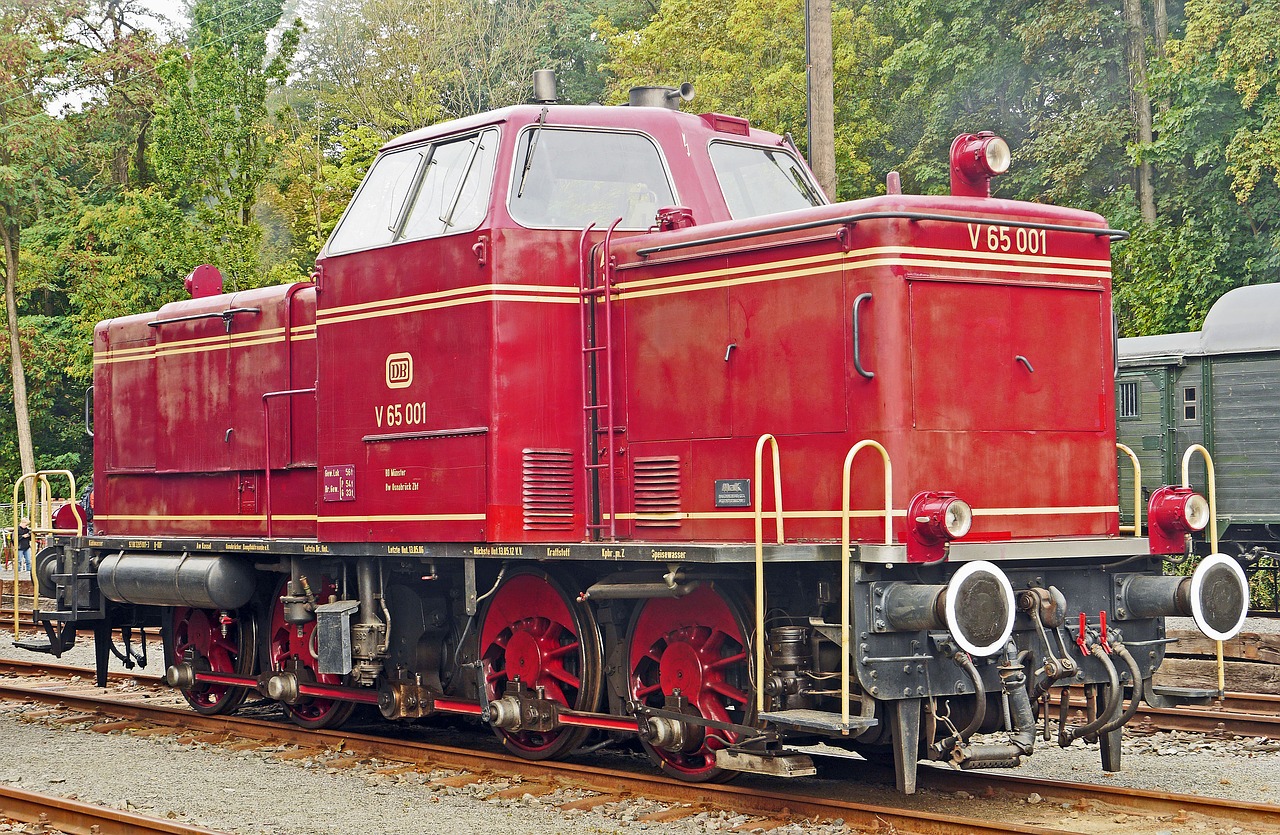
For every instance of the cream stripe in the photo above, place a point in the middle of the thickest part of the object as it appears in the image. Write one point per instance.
(114, 361)
(980, 256)
(281, 517)
(688, 282)
(244, 343)
(475, 517)
(870, 514)
(761, 278)
(424, 517)
(122, 352)
(165, 351)
(444, 294)
(377, 314)
(812, 260)
(975, 258)
(301, 332)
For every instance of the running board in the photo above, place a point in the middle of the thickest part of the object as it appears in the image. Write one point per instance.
(39, 643)
(781, 764)
(819, 721)
(1163, 696)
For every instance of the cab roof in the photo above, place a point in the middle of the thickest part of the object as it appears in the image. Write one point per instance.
(646, 119)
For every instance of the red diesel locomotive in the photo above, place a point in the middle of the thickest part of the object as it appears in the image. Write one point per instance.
(602, 422)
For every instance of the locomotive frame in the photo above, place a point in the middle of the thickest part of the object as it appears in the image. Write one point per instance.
(505, 457)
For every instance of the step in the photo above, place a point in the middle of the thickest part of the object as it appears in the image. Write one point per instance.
(39, 643)
(1186, 695)
(774, 764)
(818, 720)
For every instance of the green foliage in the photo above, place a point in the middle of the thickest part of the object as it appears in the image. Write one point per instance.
(312, 184)
(1048, 76)
(224, 149)
(213, 149)
(1216, 140)
(396, 66)
(746, 57)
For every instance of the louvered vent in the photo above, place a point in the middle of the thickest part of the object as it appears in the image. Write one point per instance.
(657, 492)
(548, 490)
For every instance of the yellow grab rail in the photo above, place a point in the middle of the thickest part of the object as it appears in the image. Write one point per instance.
(1213, 531)
(41, 524)
(1213, 489)
(844, 561)
(759, 514)
(1137, 491)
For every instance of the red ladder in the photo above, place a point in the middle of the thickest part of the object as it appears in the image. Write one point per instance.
(595, 297)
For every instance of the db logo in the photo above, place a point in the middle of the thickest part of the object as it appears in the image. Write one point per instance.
(399, 371)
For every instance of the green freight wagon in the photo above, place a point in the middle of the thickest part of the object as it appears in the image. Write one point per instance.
(1218, 387)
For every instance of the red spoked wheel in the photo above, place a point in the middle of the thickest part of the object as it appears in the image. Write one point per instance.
(291, 650)
(532, 631)
(215, 642)
(695, 647)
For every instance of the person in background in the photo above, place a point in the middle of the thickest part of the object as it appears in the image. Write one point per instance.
(24, 545)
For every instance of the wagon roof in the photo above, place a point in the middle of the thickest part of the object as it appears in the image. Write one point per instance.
(1246, 319)
(1171, 345)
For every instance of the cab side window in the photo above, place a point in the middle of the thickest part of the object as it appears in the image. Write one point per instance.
(759, 181)
(420, 192)
(567, 179)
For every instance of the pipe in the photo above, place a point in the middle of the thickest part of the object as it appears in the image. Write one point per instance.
(1136, 673)
(979, 709)
(1147, 596)
(1022, 738)
(1068, 735)
(637, 591)
(386, 613)
(366, 591)
(909, 608)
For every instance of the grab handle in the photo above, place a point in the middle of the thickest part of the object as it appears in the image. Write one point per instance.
(857, 354)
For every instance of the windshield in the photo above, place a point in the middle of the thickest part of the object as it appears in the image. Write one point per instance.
(761, 181)
(578, 177)
(421, 192)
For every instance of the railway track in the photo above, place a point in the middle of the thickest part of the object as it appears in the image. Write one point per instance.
(76, 818)
(147, 709)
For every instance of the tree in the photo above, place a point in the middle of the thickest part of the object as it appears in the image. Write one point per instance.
(115, 73)
(746, 57)
(313, 181)
(1217, 146)
(396, 66)
(214, 143)
(31, 148)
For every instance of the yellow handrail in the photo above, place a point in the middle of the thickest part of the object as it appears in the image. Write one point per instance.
(1137, 490)
(1213, 532)
(844, 561)
(759, 514)
(43, 512)
(1213, 489)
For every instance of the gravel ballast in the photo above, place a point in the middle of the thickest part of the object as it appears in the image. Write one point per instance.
(251, 791)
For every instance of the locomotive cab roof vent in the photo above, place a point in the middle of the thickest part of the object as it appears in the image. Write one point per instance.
(668, 97)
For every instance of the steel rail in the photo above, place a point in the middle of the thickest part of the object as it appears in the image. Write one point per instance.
(741, 799)
(1144, 801)
(1243, 714)
(78, 818)
(608, 782)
